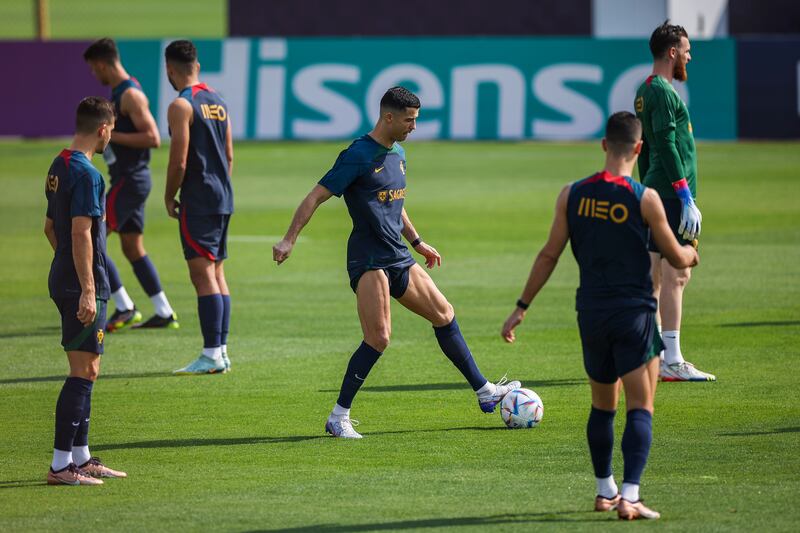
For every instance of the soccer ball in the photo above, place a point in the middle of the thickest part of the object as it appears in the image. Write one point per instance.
(522, 408)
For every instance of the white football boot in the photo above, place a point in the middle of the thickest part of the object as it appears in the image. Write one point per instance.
(488, 401)
(342, 426)
(683, 372)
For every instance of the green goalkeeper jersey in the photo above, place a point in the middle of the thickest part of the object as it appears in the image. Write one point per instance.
(668, 153)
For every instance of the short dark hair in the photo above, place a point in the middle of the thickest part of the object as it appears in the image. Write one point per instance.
(93, 111)
(665, 37)
(623, 130)
(398, 99)
(182, 52)
(104, 49)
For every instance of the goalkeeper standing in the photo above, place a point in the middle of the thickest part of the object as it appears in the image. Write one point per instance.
(668, 164)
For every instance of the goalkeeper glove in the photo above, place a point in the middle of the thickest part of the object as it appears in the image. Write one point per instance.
(690, 214)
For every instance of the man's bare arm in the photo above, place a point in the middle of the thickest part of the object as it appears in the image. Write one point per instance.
(179, 116)
(654, 216)
(135, 105)
(543, 266)
(304, 212)
(82, 256)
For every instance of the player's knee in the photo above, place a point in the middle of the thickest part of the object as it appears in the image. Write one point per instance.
(444, 315)
(379, 339)
(682, 276)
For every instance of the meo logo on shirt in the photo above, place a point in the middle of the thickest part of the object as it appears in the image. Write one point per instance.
(214, 112)
(593, 208)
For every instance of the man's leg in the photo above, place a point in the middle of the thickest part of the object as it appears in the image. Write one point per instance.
(640, 388)
(424, 298)
(210, 309)
(374, 312)
(219, 272)
(670, 305)
(133, 248)
(600, 435)
(125, 313)
(75, 393)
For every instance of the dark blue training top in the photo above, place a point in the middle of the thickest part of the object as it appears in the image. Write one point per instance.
(125, 162)
(373, 181)
(206, 187)
(609, 241)
(75, 188)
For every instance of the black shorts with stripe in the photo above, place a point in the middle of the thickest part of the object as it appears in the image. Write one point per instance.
(204, 236)
(74, 335)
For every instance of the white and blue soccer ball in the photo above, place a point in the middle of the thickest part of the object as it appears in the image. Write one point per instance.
(522, 408)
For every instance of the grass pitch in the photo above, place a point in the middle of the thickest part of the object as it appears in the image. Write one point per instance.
(246, 451)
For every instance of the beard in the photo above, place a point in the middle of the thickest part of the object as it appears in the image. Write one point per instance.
(679, 72)
(172, 82)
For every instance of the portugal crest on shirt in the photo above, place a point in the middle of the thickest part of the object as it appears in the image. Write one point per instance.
(382, 196)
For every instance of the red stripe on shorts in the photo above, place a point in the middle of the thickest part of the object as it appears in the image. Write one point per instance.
(202, 252)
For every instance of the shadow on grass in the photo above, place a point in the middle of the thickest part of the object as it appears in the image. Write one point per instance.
(34, 332)
(761, 324)
(239, 441)
(19, 483)
(421, 387)
(464, 521)
(62, 377)
(775, 431)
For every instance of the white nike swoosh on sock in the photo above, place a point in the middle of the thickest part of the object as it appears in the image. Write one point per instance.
(76, 424)
(359, 378)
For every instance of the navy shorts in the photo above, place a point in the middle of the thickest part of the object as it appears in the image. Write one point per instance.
(398, 279)
(673, 207)
(76, 337)
(616, 341)
(204, 236)
(125, 204)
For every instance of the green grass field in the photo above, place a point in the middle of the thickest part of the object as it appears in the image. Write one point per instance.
(246, 451)
(91, 19)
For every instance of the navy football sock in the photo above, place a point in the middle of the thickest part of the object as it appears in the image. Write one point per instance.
(455, 348)
(82, 435)
(114, 280)
(69, 409)
(600, 434)
(147, 275)
(209, 308)
(226, 318)
(636, 444)
(361, 362)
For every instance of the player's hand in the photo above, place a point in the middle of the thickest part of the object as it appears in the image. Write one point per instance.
(692, 248)
(513, 320)
(87, 309)
(690, 220)
(173, 207)
(281, 251)
(432, 257)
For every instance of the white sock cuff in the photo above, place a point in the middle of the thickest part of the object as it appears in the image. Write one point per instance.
(213, 353)
(630, 492)
(161, 305)
(338, 410)
(122, 300)
(488, 387)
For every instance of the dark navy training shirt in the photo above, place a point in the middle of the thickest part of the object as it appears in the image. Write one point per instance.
(373, 181)
(125, 162)
(75, 188)
(206, 187)
(609, 240)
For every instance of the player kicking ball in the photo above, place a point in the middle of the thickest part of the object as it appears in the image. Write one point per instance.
(78, 285)
(371, 174)
(608, 218)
